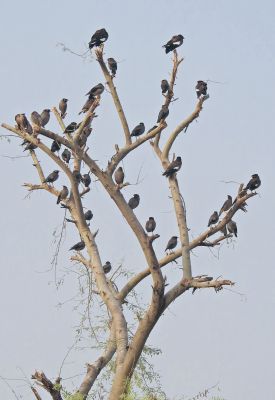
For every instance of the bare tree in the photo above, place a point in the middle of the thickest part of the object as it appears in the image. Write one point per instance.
(124, 346)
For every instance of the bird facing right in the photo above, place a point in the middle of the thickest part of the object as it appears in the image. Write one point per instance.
(172, 243)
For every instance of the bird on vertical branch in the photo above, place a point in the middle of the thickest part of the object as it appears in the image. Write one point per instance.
(201, 89)
(165, 87)
(112, 64)
(173, 43)
(173, 167)
(99, 37)
(226, 205)
(119, 176)
(63, 107)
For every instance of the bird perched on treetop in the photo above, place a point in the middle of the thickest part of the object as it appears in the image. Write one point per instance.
(172, 243)
(22, 121)
(99, 37)
(96, 90)
(201, 88)
(66, 155)
(213, 219)
(45, 117)
(164, 86)
(173, 43)
(173, 167)
(36, 118)
(254, 183)
(56, 146)
(232, 227)
(107, 267)
(86, 180)
(134, 201)
(150, 225)
(163, 114)
(87, 104)
(52, 177)
(138, 130)
(63, 107)
(226, 205)
(119, 176)
(112, 64)
(78, 246)
(63, 194)
(88, 215)
(71, 127)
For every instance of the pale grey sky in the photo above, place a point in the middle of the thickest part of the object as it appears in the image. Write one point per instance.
(205, 338)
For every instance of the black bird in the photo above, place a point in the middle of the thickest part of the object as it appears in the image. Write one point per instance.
(87, 104)
(66, 155)
(163, 114)
(134, 201)
(172, 243)
(254, 183)
(88, 215)
(71, 127)
(164, 86)
(119, 176)
(232, 227)
(96, 90)
(150, 225)
(56, 146)
(201, 88)
(107, 267)
(36, 118)
(78, 246)
(52, 177)
(112, 64)
(173, 43)
(63, 107)
(213, 219)
(226, 205)
(99, 37)
(63, 194)
(77, 176)
(45, 117)
(86, 180)
(173, 167)
(30, 146)
(138, 130)
(151, 129)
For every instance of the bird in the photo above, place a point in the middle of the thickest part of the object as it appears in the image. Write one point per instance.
(164, 86)
(173, 167)
(213, 219)
(201, 88)
(77, 176)
(163, 114)
(87, 104)
(30, 146)
(63, 107)
(254, 183)
(226, 205)
(100, 36)
(81, 141)
(107, 267)
(86, 180)
(36, 118)
(173, 43)
(151, 129)
(45, 117)
(172, 243)
(71, 127)
(66, 155)
(138, 130)
(150, 225)
(78, 246)
(112, 64)
(21, 121)
(96, 90)
(88, 215)
(119, 176)
(63, 194)
(232, 227)
(134, 201)
(52, 177)
(224, 230)
(56, 146)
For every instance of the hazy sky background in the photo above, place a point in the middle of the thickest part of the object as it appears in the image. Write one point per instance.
(205, 338)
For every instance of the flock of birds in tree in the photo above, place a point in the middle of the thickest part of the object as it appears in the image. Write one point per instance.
(39, 121)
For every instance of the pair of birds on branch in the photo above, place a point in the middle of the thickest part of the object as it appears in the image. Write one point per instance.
(38, 120)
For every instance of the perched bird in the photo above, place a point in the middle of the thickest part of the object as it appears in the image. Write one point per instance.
(173, 43)
(45, 117)
(163, 114)
(66, 155)
(150, 225)
(112, 64)
(172, 243)
(119, 176)
(138, 130)
(84, 136)
(134, 201)
(232, 227)
(56, 146)
(86, 180)
(71, 127)
(224, 230)
(213, 219)
(173, 167)
(78, 246)
(36, 118)
(88, 215)
(21, 121)
(52, 177)
(226, 205)
(201, 88)
(107, 267)
(164, 86)
(254, 183)
(63, 107)
(63, 194)
(100, 36)
(87, 104)
(151, 129)
(30, 146)
(77, 176)
(96, 90)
